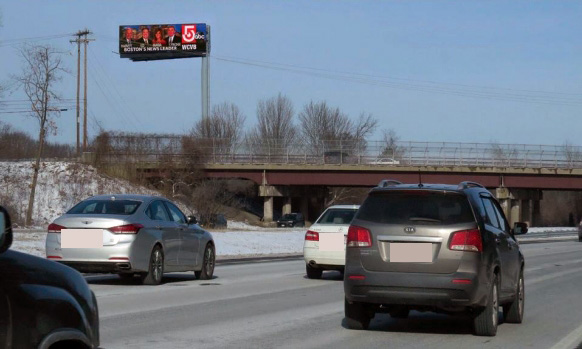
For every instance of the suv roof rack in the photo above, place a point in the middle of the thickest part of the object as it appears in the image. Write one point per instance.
(469, 184)
(388, 182)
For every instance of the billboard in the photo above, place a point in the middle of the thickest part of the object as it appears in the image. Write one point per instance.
(163, 41)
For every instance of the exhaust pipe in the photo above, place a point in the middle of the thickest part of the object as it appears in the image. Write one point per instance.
(312, 263)
(123, 266)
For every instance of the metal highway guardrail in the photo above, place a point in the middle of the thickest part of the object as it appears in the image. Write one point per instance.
(180, 149)
(372, 153)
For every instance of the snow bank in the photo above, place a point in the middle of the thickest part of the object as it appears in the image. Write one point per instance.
(228, 243)
(262, 241)
(60, 186)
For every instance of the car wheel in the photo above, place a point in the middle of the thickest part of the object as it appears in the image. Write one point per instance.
(485, 323)
(513, 312)
(357, 316)
(156, 268)
(313, 273)
(207, 264)
(579, 238)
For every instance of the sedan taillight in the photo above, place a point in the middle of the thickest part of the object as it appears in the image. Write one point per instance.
(311, 236)
(358, 237)
(126, 229)
(55, 228)
(466, 240)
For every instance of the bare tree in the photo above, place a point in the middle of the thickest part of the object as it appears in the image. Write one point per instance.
(275, 131)
(212, 197)
(41, 70)
(573, 154)
(502, 155)
(222, 129)
(390, 147)
(326, 128)
(346, 196)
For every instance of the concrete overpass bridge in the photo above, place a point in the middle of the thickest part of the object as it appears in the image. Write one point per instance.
(296, 177)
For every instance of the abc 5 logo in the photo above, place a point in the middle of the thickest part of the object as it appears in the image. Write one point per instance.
(188, 33)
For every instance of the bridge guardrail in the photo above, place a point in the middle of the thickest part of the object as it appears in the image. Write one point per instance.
(169, 149)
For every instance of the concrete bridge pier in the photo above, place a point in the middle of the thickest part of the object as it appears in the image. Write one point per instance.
(307, 200)
(520, 205)
(269, 192)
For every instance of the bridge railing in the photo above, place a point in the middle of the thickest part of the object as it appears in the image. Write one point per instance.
(371, 153)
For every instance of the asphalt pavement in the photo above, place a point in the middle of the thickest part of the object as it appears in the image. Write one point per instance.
(272, 304)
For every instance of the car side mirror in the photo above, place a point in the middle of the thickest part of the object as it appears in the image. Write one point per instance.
(192, 220)
(5, 230)
(519, 228)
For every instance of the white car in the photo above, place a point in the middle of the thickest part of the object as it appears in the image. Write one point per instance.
(325, 241)
(385, 161)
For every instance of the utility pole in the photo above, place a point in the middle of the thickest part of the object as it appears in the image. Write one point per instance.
(86, 41)
(82, 38)
(78, 41)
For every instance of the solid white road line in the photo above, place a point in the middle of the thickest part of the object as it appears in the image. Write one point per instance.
(533, 281)
(571, 341)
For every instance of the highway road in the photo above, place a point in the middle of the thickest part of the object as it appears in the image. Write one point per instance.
(273, 305)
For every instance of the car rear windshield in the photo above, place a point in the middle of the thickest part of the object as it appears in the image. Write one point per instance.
(122, 207)
(337, 216)
(416, 207)
(290, 216)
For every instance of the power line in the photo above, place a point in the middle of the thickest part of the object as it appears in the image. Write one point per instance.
(396, 78)
(110, 99)
(15, 41)
(120, 101)
(523, 95)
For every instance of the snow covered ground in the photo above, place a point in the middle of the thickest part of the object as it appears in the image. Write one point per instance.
(256, 241)
(60, 186)
(229, 243)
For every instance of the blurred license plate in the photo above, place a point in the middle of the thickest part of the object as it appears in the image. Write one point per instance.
(410, 252)
(81, 238)
(331, 242)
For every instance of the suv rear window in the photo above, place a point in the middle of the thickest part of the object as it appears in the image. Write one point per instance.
(122, 207)
(337, 216)
(416, 207)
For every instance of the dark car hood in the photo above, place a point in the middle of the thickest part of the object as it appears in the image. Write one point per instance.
(18, 268)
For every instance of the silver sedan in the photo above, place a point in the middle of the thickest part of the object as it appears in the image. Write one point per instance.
(128, 235)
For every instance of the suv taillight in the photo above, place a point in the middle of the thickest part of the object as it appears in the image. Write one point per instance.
(359, 237)
(126, 229)
(466, 240)
(55, 228)
(311, 236)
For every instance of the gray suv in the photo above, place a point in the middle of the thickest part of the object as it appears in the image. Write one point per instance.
(433, 247)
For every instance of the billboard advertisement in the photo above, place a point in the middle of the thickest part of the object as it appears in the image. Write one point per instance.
(164, 41)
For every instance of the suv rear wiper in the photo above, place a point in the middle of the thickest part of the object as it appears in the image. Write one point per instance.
(424, 219)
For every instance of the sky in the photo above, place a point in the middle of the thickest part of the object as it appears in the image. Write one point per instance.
(432, 71)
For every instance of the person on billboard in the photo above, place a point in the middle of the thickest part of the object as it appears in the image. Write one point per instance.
(173, 39)
(128, 39)
(157, 41)
(145, 37)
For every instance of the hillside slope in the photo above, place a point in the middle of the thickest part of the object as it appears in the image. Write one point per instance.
(60, 186)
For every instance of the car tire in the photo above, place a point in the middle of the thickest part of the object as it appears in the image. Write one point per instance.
(486, 321)
(155, 269)
(313, 273)
(357, 316)
(513, 312)
(207, 264)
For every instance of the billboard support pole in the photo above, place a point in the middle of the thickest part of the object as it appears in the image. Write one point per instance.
(205, 86)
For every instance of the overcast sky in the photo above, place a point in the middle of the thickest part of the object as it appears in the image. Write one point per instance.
(442, 71)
